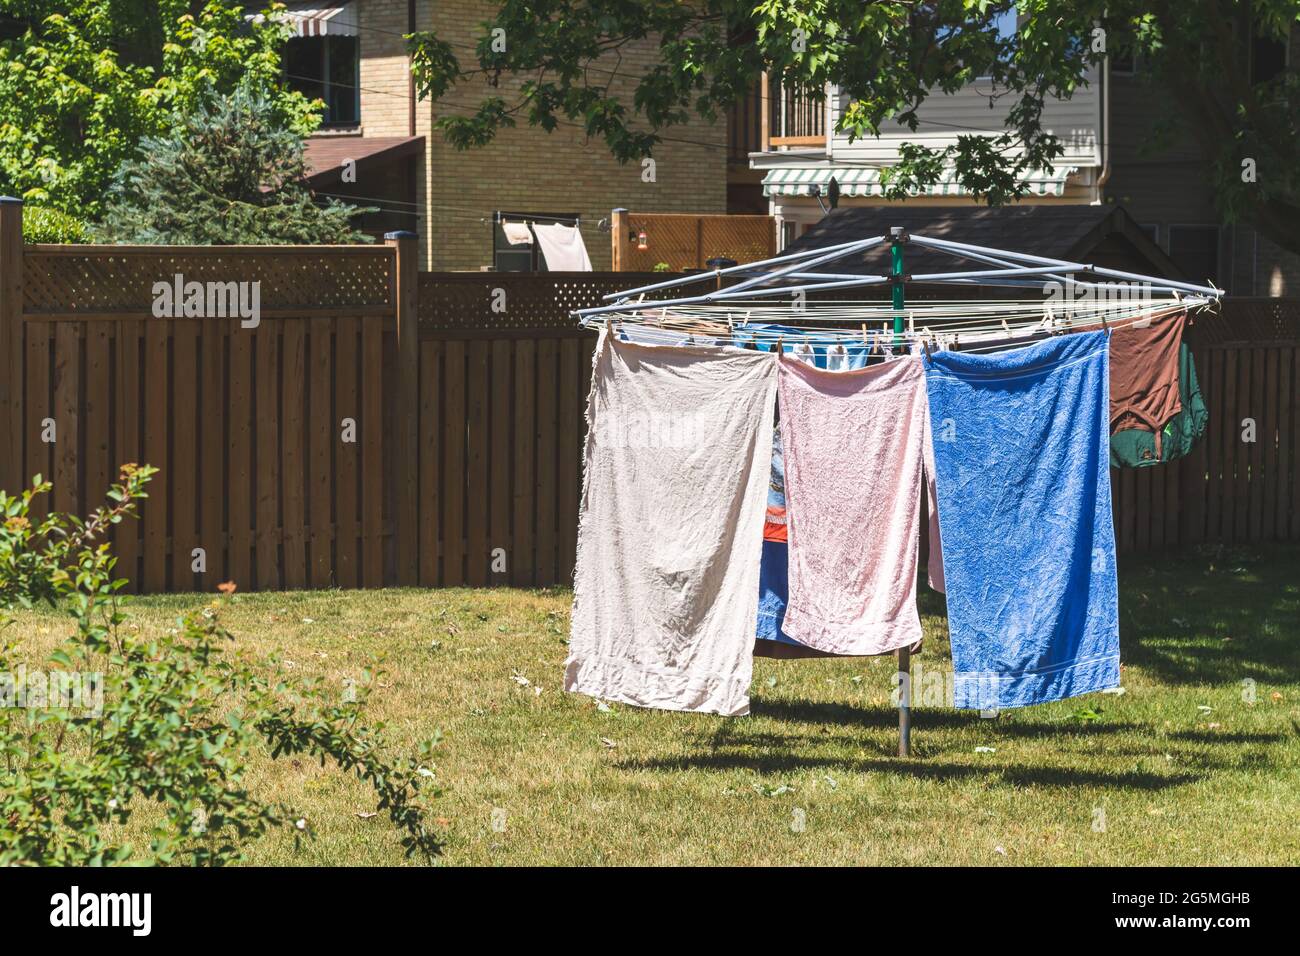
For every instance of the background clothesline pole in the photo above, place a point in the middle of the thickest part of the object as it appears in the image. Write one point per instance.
(897, 237)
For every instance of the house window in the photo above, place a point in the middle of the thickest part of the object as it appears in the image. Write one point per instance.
(327, 68)
(1195, 249)
(787, 233)
(525, 257)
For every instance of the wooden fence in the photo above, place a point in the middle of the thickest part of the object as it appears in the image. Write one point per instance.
(686, 240)
(275, 443)
(381, 426)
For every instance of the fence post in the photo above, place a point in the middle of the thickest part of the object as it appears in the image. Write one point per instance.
(618, 238)
(11, 343)
(406, 525)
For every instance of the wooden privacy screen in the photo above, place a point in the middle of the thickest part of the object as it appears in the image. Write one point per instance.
(467, 394)
(246, 424)
(688, 241)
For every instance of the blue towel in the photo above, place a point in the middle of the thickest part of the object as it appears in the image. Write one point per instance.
(1021, 461)
(773, 592)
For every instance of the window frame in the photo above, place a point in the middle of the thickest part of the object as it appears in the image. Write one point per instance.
(328, 85)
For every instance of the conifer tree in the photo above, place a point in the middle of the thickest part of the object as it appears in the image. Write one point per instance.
(229, 172)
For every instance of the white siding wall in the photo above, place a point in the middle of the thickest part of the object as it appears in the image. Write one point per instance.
(1076, 121)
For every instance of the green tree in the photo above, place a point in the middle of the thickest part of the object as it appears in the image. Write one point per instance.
(228, 172)
(887, 58)
(121, 726)
(82, 82)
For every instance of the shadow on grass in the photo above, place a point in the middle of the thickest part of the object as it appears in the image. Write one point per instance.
(881, 718)
(732, 747)
(1211, 614)
(776, 764)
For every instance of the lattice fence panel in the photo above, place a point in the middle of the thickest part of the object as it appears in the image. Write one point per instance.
(686, 241)
(516, 301)
(743, 238)
(1254, 320)
(111, 280)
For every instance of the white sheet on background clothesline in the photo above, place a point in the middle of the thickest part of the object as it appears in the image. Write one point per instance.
(563, 247)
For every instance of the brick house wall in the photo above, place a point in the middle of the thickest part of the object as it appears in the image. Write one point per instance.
(525, 169)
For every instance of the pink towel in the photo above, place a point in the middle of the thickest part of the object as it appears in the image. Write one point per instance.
(855, 443)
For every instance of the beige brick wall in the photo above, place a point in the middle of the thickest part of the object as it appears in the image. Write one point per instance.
(525, 169)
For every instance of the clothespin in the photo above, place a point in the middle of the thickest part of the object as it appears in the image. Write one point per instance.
(864, 333)
(780, 345)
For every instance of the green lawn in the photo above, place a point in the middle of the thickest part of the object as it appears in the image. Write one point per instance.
(1183, 770)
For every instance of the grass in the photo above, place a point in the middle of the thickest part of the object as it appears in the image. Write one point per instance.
(1182, 769)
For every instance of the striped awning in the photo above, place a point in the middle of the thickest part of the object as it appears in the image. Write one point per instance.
(314, 20)
(864, 181)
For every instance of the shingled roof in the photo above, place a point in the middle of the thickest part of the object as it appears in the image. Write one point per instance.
(325, 155)
(1102, 235)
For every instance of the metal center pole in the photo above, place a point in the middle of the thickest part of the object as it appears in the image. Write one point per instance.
(897, 238)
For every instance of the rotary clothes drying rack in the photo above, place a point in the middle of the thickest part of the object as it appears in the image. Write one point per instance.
(1080, 295)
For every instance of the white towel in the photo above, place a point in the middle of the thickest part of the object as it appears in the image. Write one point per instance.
(563, 247)
(517, 233)
(665, 594)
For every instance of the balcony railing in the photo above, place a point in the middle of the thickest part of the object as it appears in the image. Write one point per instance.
(775, 117)
(796, 116)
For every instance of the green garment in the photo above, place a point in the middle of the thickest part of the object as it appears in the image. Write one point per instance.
(1135, 448)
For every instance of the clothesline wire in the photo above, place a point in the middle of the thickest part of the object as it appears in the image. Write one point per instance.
(970, 338)
(957, 316)
(445, 212)
(930, 329)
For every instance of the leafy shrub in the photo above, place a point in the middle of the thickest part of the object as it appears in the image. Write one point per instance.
(43, 224)
(176, 720)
